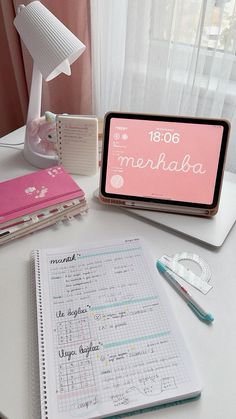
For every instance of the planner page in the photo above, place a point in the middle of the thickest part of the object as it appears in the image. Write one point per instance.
(108, 342)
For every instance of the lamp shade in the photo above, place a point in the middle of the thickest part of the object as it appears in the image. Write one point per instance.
(52, 46)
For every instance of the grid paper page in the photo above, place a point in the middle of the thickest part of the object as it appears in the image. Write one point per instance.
(110, 344)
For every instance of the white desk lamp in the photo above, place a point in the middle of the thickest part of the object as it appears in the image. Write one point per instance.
(53, 48)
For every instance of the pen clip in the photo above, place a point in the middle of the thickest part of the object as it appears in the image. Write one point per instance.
(205, 317)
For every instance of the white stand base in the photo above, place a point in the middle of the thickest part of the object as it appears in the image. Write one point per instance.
(37, 159)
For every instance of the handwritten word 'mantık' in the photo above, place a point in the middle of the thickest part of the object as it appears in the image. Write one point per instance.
(66, 259)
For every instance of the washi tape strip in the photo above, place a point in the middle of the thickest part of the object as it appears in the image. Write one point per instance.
(200, 282)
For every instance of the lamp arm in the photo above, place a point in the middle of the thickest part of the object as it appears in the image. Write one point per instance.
(34, 109)
(37, 151)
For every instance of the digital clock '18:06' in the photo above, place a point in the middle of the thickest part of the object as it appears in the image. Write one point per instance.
(166, 137)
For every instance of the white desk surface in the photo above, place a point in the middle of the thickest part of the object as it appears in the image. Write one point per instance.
(213, 347)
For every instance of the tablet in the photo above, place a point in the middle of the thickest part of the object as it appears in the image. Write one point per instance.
(163, 163)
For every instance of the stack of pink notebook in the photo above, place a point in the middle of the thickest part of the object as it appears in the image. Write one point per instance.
(37, 200)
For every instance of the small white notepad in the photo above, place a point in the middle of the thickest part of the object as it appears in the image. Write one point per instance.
(108, 341)
(77, 141)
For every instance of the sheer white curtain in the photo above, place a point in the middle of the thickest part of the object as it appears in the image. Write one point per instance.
(168, 57)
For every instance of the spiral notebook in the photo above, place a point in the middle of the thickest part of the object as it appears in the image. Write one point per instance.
(77, 143)
(108, 341)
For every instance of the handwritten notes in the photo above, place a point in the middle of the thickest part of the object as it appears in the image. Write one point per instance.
(107, 333)
(77, 143)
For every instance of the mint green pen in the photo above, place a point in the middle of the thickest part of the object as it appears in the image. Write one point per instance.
(197, 309)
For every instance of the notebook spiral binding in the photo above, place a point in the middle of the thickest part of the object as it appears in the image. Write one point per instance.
(42, 363)
(58, 127)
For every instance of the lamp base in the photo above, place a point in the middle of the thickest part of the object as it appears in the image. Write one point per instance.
(39, 152)
(39, 160)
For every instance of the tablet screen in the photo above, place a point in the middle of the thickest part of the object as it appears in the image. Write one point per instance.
(170, 159)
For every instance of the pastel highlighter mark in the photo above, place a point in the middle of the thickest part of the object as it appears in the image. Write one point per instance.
(117, 181)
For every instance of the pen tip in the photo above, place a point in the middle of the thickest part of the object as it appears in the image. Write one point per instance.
(209, 318)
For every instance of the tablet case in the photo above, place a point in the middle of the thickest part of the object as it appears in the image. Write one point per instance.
(182, 156)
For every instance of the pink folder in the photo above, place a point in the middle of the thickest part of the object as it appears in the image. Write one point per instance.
(36, 191)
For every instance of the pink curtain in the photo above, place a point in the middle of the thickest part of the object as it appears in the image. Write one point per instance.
(63, 94)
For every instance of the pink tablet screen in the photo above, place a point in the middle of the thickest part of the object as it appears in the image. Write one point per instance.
(163, 160)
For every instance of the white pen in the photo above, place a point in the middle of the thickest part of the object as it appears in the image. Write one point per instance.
(197, 309)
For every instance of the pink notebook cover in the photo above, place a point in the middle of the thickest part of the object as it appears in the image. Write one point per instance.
(35, 191)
